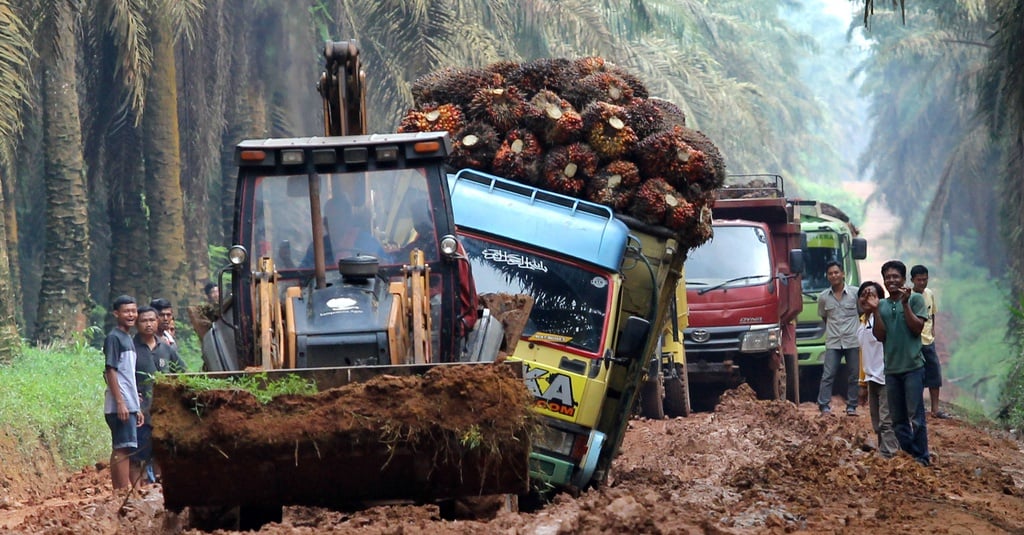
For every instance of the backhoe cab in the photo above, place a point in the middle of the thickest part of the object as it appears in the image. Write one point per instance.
(331, 224)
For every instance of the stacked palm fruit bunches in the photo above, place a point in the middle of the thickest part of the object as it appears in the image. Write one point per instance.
(581, 127)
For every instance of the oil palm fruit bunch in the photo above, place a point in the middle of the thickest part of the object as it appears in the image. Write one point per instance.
(709, 172)
(568, 167)
(634, 83)
(666, 154)
(556, 121)
(614, 185)
(543, 74)
(453, 86)
(519, 157)
(475, 147)
(671, 115)
(653, 199)
(586, 66)
(645, 117)
(600, 86)
(433, 118)
(681, 215)
(606, 130)
(502, 107)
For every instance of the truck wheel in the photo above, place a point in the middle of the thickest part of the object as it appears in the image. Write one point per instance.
(792, 379)
(652, 394)
(767, 381)
(677, 394)
(212, 518)
(252, 518)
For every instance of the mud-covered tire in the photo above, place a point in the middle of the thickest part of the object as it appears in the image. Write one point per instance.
(213, 518)
(677, 394)
(792, 378)
(652, 395)
(252, 518)
(767, 381)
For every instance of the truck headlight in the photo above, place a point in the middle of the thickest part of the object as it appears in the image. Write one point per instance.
(555, 440)
(759, 340)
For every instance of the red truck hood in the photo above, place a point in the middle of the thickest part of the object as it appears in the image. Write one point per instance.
(747, 305)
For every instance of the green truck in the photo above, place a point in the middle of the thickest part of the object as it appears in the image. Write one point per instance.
(830, 236)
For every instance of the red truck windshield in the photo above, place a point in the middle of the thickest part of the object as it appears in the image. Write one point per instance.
(570, 301)
(736, 253)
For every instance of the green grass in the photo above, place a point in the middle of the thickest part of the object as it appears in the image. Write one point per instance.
(56, 395)
(256, 384)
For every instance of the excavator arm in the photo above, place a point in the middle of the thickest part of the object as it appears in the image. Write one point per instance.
(343, 89)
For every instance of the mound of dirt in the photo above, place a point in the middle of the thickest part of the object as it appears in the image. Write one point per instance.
(456, 430)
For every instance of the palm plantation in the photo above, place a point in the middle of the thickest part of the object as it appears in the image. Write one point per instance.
(130, 110)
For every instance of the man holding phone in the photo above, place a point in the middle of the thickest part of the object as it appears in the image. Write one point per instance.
(899, 320)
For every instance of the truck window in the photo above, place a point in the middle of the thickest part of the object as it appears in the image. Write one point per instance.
(383, 213)
(735, 252)
(571, 301)
(822, 248)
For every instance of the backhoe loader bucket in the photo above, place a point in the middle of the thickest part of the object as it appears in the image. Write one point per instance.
(418, 433)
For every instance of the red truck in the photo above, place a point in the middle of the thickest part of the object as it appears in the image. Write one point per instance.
(743, 290)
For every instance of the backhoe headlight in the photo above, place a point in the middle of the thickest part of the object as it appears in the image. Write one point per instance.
(449, 245)
(237, 255)
(759, 340)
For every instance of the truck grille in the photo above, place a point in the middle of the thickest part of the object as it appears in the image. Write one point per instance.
(721, 342)
(810, 331)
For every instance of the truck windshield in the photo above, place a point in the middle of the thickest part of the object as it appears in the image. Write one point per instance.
(822, 248)
(381, 213)
(736, 253)
(570, 301)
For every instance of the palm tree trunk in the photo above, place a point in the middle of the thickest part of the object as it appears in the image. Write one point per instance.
(10, 343)
(64, 293)
(129, 230)
(161, 145)
(10, 223)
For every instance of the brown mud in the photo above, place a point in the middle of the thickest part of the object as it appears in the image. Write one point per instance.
(455, 430)
(749, 467)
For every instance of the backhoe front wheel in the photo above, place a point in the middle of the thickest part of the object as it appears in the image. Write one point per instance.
(677, 393)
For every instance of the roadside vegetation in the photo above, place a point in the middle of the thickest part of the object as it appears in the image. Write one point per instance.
(55, 394)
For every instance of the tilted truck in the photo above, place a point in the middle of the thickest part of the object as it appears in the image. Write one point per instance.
(830, 237)
(742, 287)
(599, 282)
(345, 271)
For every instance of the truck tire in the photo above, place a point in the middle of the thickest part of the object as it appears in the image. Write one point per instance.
(652, 394)
(767, 381)
(677, 394)
(792, 379)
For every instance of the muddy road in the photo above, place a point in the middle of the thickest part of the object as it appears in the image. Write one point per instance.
(749, 467)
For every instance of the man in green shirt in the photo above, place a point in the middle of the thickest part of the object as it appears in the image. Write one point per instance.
(898, 323)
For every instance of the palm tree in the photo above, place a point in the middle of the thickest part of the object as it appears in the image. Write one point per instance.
(14, 53)
(118, 51)
(64, 294)
(161, 149)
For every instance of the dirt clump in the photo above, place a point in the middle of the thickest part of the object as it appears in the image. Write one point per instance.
(455, 430)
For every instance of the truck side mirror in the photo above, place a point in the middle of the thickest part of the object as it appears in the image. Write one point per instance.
(860, 248)
(632, 338)
(796, 261)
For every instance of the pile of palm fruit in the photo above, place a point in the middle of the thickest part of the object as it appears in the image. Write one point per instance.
(580, 127)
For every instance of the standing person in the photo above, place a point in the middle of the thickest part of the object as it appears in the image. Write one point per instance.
(872, 360)
(153, 356)
(899, 320)
(932, 368)
(121, 403)
(165, 312)
(837, 305)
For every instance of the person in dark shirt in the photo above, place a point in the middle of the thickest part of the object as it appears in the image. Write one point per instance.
(154, 356)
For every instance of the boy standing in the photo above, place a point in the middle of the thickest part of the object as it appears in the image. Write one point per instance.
(932, 368)
(153, 356)
(121, 404)
(898, 323)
